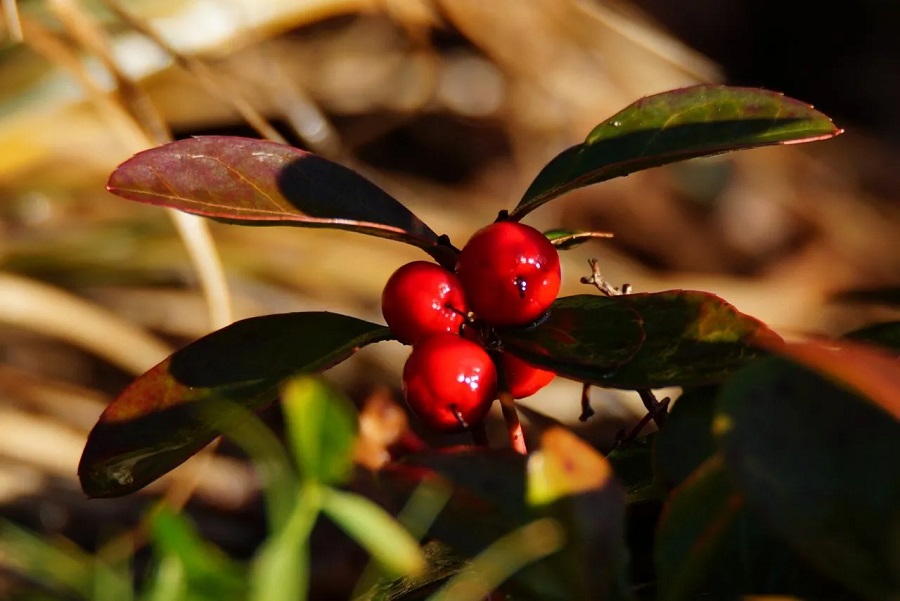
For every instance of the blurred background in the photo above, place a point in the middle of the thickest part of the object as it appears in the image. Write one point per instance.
(452, 106)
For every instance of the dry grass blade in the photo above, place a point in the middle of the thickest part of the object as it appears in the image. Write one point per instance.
(11, 16)
(41, 308)
(142, 134)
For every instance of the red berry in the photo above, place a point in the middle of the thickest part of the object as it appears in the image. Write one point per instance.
(510, 273)
(522, 378)
(422, 299)
(449, 382)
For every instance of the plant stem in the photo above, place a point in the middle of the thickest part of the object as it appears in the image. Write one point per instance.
(656, 410)
(513, 425)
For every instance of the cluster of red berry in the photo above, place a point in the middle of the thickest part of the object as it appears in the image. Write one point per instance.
(508, 274)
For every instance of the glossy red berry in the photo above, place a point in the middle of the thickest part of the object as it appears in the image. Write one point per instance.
(522, 378)
(422, 299)
(449, 382)
(510, 273)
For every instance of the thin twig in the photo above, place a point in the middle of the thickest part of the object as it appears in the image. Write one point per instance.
(636, 431)
(204, 75)
(586, 410)
(656, 410)
(597, 280)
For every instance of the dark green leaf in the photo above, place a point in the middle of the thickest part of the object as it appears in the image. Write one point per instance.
(321, 426)
(687, 440)
(256, 182)
(881, 334)
(818, 463)
(488, 502)
(674, 338)
(710, 546)
(692, 529)
(182, 404)
(571, 482)
(673, 126)
(692, 339)
(633, 464)
(583, 334)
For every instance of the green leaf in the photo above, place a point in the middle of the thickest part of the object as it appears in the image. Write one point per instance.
(673, 126)
(688, 338)
(583, 334)
(182, 404)
(687, 440)
(487, 502)
(817, 463)
(375, 530)
(256, 182)
(692, 339)
(693, 528)
(207, 571)
(881, 334)
(280, 569)
(321, 424)
(709, 545)
(569, 239)
(57, 564)
(632, 463)
(504, 557)
(571, 482)
(276, 472)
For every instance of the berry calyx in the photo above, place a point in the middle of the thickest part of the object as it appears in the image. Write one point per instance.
(510, 273)
(422, 299)
(449, 382)
(522, 378)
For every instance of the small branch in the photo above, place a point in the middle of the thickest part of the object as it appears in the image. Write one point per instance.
(597, 280)
(586, 409)
(513, 425)
(656, 410)
(622, 438)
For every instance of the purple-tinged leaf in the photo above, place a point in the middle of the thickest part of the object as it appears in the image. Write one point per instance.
(673, 126)
(256, 182)
(687, 440)
(182, 404)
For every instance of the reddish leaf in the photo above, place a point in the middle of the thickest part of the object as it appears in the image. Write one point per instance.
(182, 404)
(673, 126)
(871, 371)
(255, 182)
